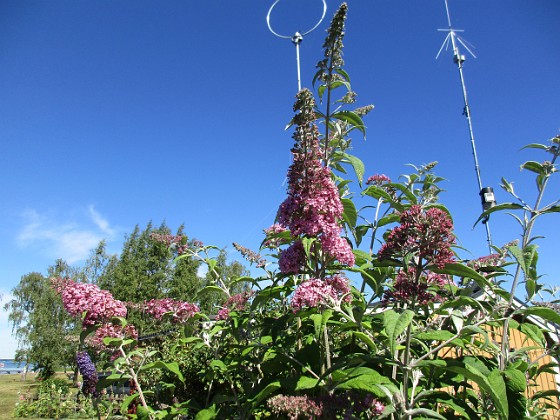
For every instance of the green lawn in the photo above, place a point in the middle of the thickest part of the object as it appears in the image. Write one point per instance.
(10, 387)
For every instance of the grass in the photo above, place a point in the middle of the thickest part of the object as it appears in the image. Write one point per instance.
(10, 387)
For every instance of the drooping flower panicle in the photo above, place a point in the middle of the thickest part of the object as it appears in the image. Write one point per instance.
(88, 372)
(313, 207)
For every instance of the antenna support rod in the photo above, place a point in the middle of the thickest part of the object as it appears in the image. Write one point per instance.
(297, 38)
(486, 194)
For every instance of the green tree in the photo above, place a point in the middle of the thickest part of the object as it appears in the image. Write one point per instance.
(45, 332)
(145, 270)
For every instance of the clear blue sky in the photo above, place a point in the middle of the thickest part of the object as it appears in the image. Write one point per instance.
(114, 113)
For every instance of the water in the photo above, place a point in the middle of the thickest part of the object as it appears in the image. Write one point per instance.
(11, 366)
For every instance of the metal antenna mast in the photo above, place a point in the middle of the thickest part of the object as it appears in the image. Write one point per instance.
(297, 37)
(486, 193)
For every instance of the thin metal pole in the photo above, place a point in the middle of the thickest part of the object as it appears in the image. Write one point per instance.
(296, 39)
(459, 59)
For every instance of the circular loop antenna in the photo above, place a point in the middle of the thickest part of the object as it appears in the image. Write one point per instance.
(297, 33)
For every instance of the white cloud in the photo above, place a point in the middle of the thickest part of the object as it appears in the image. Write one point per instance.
(70, 240)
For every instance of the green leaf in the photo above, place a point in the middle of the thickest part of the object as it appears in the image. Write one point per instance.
(425, 412)
(533, 332)
(305, 383)
(172, 367)
(461, 270)
(209, 289)
(366, 339)
(535, 167)
(541, 312)
(377, 193)
(127, 401)
(508, 186)
(265, 392)
(516, 384)
(207, 413)
(343, 74)
(362, 379)
(317, 324)
(351, 118)
(395, 324)
(358, 165)
(493, 384)
(550, 209)
(390, 218)
(350, 215)
(498, 207)
(535, 146)
(435, 335)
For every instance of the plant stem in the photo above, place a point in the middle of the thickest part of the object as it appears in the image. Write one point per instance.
(136, 383)
(525, 241)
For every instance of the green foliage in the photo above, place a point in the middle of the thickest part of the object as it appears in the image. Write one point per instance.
(43, 328)
(144, 271)
(54, 400)
(421, 337)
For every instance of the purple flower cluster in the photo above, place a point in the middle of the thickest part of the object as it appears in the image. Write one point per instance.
(313, 207)
(327, 406)
(426, 235)
(294, 406)
(424, 290)
(88, 372)
(378, 179)
(180, 311)
(317, 292)
(236, 302)
(79, 298)
(250, 255)
(292, 259)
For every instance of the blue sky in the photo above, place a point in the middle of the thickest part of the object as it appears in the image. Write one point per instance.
(115, 113)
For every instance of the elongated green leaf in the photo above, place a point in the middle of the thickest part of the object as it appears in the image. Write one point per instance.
(425, 413)
(533, 166)
(351, 118)
(436, 335)
(207, 413)
(498, 207)
(533, 332)
(209, 289)
(172, 367)
(541, 312)
(493, 384)
(535, 146)
(551, 209)
(461, 270)
(305, 383)
(343, 74)
(265, 392)
(395, 324)
(363, 379)
(350, 215)
(357, 165)
(390, 218)
(377, 193)
(366, 339)
(317, 324)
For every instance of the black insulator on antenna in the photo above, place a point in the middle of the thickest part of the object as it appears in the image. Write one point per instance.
(459, 58)
(488, 200)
